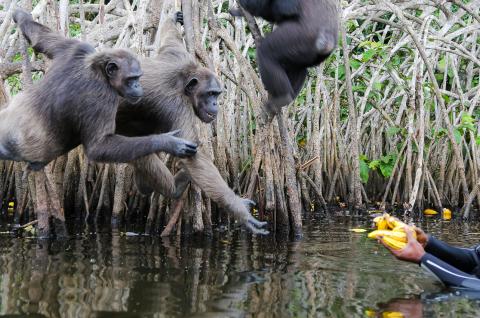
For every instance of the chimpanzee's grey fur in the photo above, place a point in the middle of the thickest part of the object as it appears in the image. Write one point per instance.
(178, 94)
(76, 103)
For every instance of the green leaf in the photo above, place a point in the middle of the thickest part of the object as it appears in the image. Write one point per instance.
(396, 60)
(364, 170)
(358, 88)
(368, 55)
(355, 64)
(477, 140)
(441, 132)
(368, 107)
(75, 30)
(17, 57)
(466, 118)
(458, 135)
(441, 65)
(377, 86)
(385, 164)
(387, 170)
(374, 164)
(392, 131)
(341, 71)
(467, 123)
(387, 158)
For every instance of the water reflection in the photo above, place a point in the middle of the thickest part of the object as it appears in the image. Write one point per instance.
(330, 273)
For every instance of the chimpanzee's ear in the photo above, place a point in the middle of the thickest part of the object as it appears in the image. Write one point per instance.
(191, 86)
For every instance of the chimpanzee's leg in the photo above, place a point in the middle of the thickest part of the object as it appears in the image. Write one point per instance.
(297, 78)
(287, 47)
(42, 38)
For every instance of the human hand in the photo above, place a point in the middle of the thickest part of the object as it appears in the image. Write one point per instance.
(422, 237)
(412, 252)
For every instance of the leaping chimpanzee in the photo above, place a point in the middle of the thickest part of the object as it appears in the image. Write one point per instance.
(306, 34)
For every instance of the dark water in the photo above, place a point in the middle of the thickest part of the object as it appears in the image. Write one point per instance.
(330, 273)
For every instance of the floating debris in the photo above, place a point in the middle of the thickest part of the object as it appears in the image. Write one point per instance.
(430, 212)
(446, 214)
(358, 230)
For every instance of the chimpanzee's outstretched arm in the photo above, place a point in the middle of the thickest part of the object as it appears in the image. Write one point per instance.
(42, 39)
(206, 176)
(152, 175)
(117, 148)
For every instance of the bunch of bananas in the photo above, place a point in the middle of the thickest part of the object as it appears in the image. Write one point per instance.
(392, 230)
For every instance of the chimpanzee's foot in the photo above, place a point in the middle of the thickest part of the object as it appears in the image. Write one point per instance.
(265, 116)
(274, 104)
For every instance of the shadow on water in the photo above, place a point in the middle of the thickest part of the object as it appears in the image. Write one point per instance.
(331, 272)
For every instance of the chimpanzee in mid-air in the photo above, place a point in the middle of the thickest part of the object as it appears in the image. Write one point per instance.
(306, 34)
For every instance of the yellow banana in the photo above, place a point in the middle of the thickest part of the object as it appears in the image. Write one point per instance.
(382, 224)
(401, 228)
(392, 314)
(398, 235)
(393, 222)
(430, 212)
(393, 243)
(446, 214)
(358, 230)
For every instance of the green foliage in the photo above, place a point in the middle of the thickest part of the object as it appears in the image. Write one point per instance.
(467, 124)
(252, 53)
(458, 135)
(246, 164)
(341, 72)
(37, 76)
(75, 30)
(392, 131)
(384, 165)
(371, 50)
(364, 170)
(359, 88)
(438, 134)
(17, 57)
(15, 84)
(355, 64)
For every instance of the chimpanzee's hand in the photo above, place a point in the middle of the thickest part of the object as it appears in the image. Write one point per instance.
(179, 147)
(251, 223)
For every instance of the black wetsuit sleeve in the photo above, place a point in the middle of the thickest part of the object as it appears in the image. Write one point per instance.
(447, 274)
(465, 259)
